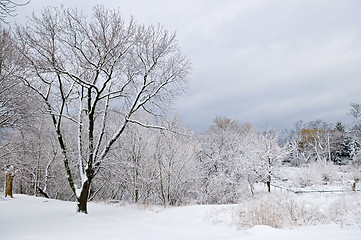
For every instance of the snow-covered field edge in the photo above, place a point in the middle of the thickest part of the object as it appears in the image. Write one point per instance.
(27, 217)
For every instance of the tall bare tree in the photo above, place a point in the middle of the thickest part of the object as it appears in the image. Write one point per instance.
(222, 149)
(355, 112)
(85, 68)
(265, 155)
(13, 102)
(16, 107)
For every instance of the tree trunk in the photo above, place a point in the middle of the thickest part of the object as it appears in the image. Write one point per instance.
(251, 187)
(83, 199)
(41, 191)
(9, 184)
(269, 183)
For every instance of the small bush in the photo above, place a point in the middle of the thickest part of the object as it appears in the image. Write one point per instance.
(345, 210)
(307, 177)
(277, 211)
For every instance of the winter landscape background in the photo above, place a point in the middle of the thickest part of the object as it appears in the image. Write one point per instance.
(91, 146)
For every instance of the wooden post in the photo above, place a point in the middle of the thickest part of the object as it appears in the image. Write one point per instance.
(10, 172)
(354, 184)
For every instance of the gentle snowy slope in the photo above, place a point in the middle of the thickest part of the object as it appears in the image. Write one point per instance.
(26, 217)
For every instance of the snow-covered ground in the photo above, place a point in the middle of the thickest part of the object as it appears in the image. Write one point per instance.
(26, 217)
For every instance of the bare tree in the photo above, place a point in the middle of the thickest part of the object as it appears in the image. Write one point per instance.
(312, 141)
(13, 95)
(177, 167)
(355, 112)
(84, 69)
(266, 155)
(16, 105)
(222, 148)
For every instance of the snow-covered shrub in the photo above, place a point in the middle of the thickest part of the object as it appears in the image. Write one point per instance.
(311, 174)
(219, 189)
(261, 213)
(307, 176)
(290, 210)
(326, 171)
(345, 209)
(277, 211)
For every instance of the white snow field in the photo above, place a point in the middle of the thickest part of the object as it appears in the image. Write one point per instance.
(28, 218)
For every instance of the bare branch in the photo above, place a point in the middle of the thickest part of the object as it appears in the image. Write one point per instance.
(8, 8)
(156, 127)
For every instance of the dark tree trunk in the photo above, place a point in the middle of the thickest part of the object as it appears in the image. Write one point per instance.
(269, 184)
(83, 199)
(136, 195)
(43, 192)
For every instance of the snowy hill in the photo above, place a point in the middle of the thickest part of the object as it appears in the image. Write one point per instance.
(26, 217)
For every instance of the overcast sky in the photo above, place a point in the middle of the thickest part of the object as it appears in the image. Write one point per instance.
(270, 63)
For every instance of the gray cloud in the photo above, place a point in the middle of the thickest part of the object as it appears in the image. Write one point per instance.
(270, 63)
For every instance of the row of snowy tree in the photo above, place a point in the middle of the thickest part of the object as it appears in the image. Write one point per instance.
(171, 167)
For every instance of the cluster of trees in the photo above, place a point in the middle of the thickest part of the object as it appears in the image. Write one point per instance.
(159, 166)
(323, 142)
(153, 166)
(83, 106)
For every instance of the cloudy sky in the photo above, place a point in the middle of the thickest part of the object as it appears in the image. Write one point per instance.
(267, 62)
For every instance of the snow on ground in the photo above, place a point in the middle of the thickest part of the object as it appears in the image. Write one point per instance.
(28, 218)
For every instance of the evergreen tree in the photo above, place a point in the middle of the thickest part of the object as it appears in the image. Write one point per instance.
(341, 145)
